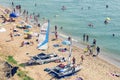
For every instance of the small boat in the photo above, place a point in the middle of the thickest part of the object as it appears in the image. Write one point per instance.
(43, 58)
(62, 70)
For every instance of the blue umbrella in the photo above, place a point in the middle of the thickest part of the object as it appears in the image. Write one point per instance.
(13, 15)
(66, 42)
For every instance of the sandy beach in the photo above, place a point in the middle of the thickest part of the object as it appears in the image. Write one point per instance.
(94, 68)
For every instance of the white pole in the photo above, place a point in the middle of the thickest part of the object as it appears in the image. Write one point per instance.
(70, 52)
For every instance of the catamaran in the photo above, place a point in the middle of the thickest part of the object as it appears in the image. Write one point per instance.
(43, 39)
(62, 70)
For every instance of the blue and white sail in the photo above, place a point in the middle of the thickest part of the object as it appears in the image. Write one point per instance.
(44, 36)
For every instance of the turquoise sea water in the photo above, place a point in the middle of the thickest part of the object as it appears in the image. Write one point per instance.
(77, 16)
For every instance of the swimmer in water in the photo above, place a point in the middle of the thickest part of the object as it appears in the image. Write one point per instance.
(106, 21)
(63, 8)
(106, 6)
(113, 35)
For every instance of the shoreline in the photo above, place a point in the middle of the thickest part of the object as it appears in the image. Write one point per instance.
(94, 68)
(82, 46)
(103, 55)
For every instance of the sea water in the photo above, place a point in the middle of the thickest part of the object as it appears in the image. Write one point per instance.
(76, 18)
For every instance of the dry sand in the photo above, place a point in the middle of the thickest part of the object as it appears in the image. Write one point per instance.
(94, 68)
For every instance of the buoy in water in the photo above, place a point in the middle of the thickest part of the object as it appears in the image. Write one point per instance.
(108, 18)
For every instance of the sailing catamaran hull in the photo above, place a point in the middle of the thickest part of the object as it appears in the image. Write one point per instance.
(65, 73)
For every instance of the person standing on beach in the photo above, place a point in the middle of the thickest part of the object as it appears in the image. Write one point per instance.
(98, 50)
(12, 4)
(26, 19)
(87, 38)
(94, 42)
(11, 36)
(20, 9)
(73, 60)
(83, 37)
(93, 46)
(56, 35)
(55, 28)
(69, 39)
(82, 58)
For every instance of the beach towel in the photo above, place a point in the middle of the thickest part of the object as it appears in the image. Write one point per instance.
(56, 45)
(62, 49)
(2, 30)
(79, 78)
(53, 39)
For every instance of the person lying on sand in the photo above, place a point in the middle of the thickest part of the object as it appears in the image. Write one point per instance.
(26, 43)
(115, 74)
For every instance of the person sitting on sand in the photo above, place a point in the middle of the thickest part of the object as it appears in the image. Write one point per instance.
(28, 36)
(26, 43)
(115, 74)
(4, 19)
(79, 78)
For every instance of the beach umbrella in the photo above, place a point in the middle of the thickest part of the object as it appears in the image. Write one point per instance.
(28, 26)
(66, 42)
(13, 15)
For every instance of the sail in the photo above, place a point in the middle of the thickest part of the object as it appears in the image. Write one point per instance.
(44, 36)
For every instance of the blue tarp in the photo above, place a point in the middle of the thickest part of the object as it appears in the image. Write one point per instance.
(13, 15)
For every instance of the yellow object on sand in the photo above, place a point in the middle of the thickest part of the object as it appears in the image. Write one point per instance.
(18, 25)
(29, 32)
(85, 49)
(7, 15)
(25, 36)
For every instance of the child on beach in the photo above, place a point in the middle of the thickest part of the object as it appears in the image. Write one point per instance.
(82, 58)
(11, 36)
(73, 60)
(56, 35)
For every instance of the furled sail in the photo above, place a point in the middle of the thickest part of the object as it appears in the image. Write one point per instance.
(44, 36)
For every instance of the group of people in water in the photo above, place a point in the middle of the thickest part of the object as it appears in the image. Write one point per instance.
(91, 48)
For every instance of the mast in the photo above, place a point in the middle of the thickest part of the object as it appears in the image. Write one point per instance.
(70, 50)
(48, 34)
